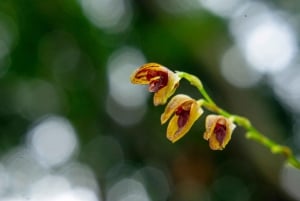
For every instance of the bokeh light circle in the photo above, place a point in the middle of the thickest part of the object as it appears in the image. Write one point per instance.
(53, 141)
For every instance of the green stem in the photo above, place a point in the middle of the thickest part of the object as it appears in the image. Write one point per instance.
(274, 147)
(195, 81)
(251, 133)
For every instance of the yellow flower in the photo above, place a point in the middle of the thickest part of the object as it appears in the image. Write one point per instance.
(185, 111)
(218, 131)
(161, 80)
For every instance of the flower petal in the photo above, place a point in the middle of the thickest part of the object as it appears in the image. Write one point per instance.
(174, 132)
(209, 123)
(230, 127)
(141, 75)
(172, 106)
(172, 129)
(162, 95)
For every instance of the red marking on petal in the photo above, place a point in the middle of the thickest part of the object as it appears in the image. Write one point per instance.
(158, 80)
(141, 74)
(220, 131)
(151, 74)
(183, 116)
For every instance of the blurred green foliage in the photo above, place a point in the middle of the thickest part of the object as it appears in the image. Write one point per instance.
(56, 63)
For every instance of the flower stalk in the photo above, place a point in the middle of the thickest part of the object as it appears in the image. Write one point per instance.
(182, 111)
(251, 132)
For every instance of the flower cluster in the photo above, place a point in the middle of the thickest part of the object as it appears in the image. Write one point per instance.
(182, 111)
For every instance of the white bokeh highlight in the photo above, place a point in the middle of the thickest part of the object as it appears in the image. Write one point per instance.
(4, 180)
(270, 46)
(53, 141)
(127, 190)
(40, 189)
(236, 70)
(265, 37)
(126, 102)
(80, 174)
(61, 190)
(222, 9)
(22, 177)
(22, 169)
(120, 66)
(110, 15)
(286, 85)
(79, 194)
(290, 181)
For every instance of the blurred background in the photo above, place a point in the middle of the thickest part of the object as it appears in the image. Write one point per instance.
(73, 128)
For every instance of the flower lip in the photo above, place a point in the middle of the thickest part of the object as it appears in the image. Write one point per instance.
(183, 111)
(183, 116)
(157, 80)
(175, 105)
(220, 130)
